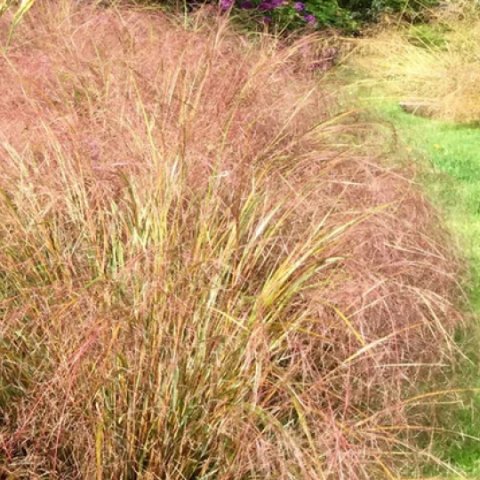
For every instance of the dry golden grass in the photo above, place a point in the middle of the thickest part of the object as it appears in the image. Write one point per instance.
(200, 275)
(436, 66)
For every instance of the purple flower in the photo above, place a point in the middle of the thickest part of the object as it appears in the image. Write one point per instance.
(270, 4)
(299, 6)
(226, 4)
(247, 5)
(310, 19)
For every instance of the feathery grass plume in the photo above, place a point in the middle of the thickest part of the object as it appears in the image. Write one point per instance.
(201, 276)
(23, 6)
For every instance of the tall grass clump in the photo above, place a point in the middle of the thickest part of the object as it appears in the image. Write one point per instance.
(200, 275)
(435, 66)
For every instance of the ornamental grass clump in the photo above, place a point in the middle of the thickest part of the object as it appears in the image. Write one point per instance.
(201, 275)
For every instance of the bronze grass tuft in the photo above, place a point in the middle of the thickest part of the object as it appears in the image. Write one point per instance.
(200, 275)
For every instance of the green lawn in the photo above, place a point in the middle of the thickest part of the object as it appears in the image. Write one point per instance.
(448, 160)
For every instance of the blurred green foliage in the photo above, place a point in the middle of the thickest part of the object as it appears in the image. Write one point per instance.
(348, 15)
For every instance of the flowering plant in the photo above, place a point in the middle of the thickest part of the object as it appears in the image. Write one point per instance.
(293, 14)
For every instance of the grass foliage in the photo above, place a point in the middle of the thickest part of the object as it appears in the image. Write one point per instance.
(201, 275)
(446, 157)
(450, 159)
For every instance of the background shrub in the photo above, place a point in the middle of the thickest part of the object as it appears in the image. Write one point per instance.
(371, 9)
(288, 15)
